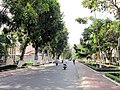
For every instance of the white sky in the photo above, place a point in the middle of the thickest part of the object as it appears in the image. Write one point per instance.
(73, 9)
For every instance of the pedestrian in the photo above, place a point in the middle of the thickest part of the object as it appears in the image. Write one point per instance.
(73, 61)
(56, 62)
(62, 61)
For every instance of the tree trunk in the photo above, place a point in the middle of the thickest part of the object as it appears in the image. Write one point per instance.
(119, 51)
(6, 54)
(109, 55)
(43, 56)
(36, 55)
(22, 54)
(53, 55)
(58, 56)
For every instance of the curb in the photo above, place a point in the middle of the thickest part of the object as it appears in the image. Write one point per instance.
(111, 80)
(90, 68)
(104, 75)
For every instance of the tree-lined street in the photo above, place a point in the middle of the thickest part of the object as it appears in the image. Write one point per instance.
(34, 39)
(75, 77)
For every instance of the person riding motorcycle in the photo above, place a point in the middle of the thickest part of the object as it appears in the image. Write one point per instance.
(64, 64)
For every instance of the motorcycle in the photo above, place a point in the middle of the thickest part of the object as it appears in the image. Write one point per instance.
(64, 66)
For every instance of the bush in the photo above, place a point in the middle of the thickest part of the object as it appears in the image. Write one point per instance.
(116, 74)
(8, 67)
(81, 61)
(103, 69)
(115, 78)
(28, 63)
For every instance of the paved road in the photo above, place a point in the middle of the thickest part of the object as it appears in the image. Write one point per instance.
(91, 80)
(49, 78)
(76, 77)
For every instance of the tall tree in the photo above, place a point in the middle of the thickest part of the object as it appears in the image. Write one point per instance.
(59, 43)
(5, 41)
(49, 24)
(24, 18)
(4, 44)
(113, 6)
(101, 35)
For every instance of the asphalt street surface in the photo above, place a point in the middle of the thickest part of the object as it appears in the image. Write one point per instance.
(49, 78)
(75, 77)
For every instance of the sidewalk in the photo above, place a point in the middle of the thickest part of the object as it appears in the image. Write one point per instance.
(91, 80)
(21, 70)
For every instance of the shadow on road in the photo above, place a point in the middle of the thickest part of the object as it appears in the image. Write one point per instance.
(52, 78)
